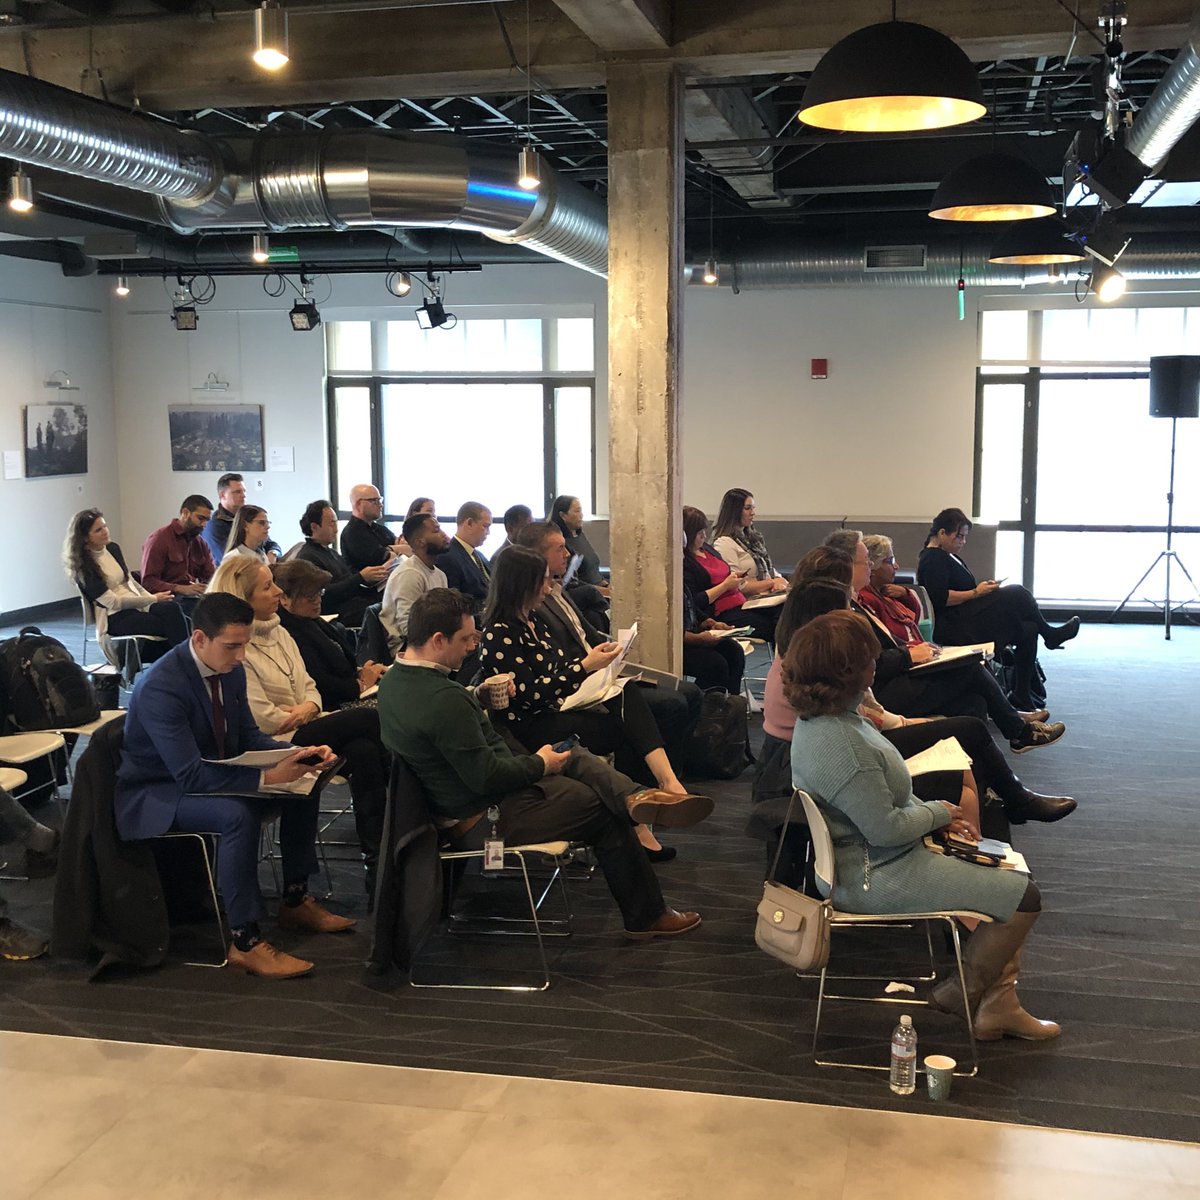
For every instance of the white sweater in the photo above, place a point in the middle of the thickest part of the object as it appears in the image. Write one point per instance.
(276, 678)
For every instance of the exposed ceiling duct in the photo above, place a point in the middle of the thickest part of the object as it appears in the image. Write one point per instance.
(1172, 108)
(846, 264)
(331, 179)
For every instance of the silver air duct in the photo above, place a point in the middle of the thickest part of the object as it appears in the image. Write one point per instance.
(1172, 108)
(338, 180)
(844, 264)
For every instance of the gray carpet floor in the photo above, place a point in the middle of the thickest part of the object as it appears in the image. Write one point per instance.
(1115, 958)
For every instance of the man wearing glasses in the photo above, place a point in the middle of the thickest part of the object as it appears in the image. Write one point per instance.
(366, 540)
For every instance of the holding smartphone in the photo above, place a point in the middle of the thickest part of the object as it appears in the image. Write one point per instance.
(568, 743)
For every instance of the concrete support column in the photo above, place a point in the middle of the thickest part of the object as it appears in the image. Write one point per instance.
(645, 263)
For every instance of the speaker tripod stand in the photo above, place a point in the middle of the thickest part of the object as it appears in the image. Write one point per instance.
(1167, 554)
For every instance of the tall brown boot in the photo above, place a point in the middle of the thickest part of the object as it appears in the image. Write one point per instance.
(1000, 1013)
(988, 952)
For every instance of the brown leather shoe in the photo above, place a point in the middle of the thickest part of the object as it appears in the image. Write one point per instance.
(668, 925)
(263, 960)
(310, 916)
(653, 806)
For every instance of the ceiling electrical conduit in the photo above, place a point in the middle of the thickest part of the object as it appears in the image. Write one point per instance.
(276, 181)
(1172, 108)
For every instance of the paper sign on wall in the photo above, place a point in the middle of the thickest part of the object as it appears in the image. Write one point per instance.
(12, 465)
(281, 458)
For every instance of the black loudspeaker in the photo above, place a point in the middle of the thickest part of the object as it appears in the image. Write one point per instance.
(1175, 386)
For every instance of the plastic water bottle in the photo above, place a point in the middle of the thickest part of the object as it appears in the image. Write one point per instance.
(903, 1079)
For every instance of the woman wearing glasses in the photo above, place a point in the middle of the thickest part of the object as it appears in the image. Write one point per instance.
(249, 533)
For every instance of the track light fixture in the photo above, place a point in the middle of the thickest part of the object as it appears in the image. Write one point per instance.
(270, 36)
(260, 251)
(1108, 284)
(122, 288)
(891, 78)
(183, 312)
(398, 283)
(433, 315)
(304, 315)
(20, 192)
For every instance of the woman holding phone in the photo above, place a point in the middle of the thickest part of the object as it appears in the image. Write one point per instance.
(717, 589)
(967, 611)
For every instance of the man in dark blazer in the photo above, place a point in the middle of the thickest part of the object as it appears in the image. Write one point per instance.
(349, 591)
(466, 570)
(187, 711)
(366, 540)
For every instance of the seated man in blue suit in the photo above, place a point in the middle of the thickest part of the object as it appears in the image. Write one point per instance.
(191, 707)
(466, 569)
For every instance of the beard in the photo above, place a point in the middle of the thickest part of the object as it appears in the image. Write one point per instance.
(434, 551)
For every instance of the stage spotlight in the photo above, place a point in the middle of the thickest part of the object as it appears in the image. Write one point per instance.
(1108, 284)
(433, 315)
(304, 316)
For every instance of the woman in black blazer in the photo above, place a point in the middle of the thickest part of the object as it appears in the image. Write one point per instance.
(967, 611)
(325, 646)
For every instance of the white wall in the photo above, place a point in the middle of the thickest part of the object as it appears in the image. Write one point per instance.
(888, 435)
(244, 337)
(47, 324)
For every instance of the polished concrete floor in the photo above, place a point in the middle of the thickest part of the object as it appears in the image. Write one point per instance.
(82, 1119)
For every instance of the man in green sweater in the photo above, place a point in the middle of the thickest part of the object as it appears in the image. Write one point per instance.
(438, 727)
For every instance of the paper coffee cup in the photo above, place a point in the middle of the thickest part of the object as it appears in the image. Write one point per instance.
(939, 1076)
(497, 687)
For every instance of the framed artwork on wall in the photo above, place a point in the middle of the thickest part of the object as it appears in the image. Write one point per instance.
(207, 437)
(56, 440)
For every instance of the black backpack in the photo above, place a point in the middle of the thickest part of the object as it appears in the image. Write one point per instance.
(41, 685)
(719, 747)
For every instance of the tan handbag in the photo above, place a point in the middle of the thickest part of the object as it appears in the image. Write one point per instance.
(791, 926)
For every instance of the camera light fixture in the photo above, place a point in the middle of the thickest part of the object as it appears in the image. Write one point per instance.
(122, 288)
(270, 36)
(183, 317)
(1108, 284)
(432, 314)
(260, 250)
(20, 192)
(398, 283)
(304, 316)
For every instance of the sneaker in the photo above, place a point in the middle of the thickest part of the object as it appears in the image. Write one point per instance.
(1036, 734)
(18, 944)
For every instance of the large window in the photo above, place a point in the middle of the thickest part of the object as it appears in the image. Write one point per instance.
(1070, 465)
(500, 410)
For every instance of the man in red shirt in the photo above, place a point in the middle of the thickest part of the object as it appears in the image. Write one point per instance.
(176, 558)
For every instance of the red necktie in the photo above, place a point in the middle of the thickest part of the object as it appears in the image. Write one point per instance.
(214, 686)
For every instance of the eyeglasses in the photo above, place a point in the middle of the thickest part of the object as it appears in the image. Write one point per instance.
(890, 560)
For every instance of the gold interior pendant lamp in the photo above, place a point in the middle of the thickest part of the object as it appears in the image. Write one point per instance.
(893, 77)
(1042, 242)
(993, 187)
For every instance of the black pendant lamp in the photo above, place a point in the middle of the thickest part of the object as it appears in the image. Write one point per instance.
(891, 78)
(993, 187)
(1040, 242)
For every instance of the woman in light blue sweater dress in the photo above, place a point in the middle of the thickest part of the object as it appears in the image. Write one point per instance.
(864, 790)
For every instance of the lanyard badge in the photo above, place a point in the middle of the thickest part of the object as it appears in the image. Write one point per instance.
(493, 846)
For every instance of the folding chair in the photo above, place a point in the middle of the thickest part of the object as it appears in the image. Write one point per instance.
(824, 863)
(121, 650)
(10, 780)
(406, 792)
(17, 749)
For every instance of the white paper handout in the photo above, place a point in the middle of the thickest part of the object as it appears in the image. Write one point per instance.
(946, 755)
(770, 600)
(949, 654)
(603, 684)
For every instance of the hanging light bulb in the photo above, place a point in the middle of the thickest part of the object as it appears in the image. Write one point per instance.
(20, 192)
(711, 276)
(1108, 283)
(270, 36)
(993, 187)
(527, 169)
(260, 251)
(398, 283)
(122, 288)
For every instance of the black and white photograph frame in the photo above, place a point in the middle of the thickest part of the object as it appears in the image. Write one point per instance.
(56, 440)
(211, 437)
